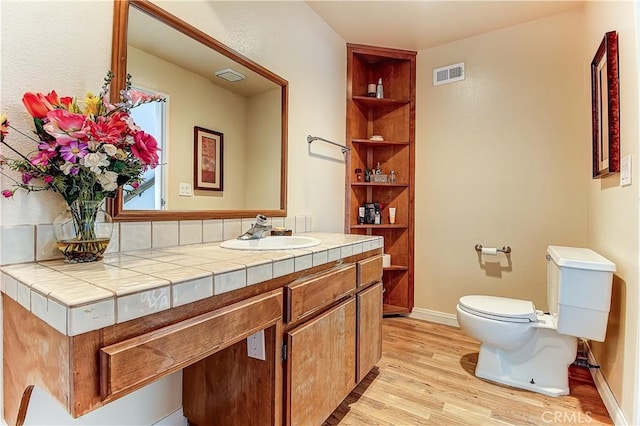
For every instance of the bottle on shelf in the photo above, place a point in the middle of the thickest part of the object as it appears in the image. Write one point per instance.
(379, 89)
(371, 90)
(392, 176)
(392, 215)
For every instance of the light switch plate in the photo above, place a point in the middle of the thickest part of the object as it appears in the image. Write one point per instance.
(185, 189)
(625, 171)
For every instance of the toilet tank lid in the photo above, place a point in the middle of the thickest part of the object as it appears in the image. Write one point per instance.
(580, 258)
(500, 306)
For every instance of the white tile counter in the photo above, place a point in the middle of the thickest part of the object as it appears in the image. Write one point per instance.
(77, 298)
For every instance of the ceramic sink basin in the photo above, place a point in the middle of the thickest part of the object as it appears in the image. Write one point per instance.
(271, 243)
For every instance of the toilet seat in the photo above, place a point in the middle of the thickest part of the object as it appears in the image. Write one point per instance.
(499, 308)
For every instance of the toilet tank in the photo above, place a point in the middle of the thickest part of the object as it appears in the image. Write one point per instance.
(579, 291)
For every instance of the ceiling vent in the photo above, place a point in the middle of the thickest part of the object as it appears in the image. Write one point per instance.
(230, 75)
(448, 74)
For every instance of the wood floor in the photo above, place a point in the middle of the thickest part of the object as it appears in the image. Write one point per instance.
(426, 377)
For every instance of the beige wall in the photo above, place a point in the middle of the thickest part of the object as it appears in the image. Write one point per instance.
(291, 40)
(194, 101)
(73, 55)
(501, 159)
(263, 159)
(612, 211)
(504, 158)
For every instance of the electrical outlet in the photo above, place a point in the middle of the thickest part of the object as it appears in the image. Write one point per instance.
(185, 189)
(255, 345)
(625, 171)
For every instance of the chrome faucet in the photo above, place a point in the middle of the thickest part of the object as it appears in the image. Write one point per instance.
(257, 230)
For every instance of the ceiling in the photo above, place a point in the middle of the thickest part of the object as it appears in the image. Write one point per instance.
(150, 35)
(418, 25)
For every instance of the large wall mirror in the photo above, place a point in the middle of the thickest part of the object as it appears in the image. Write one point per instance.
(223, 129)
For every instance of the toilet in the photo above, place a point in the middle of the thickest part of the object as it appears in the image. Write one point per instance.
(527, 348)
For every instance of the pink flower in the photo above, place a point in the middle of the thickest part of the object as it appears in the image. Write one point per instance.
(110, 130)
(42, 158)
(145, 148)
(26, 178)
(90, 146)
(135, 185)
(48, 146)
(66, 126)
(137, 97)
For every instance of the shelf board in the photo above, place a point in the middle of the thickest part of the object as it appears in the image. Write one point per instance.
(383, 226)
(379, 184)
(372, 102)
(396, 268)
(369, 142)
(394, 310)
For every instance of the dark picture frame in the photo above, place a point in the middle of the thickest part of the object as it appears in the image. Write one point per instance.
(208, 160)
(605, 107)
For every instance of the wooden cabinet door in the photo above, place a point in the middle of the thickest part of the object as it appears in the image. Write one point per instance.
(369, 330)
(320, 366)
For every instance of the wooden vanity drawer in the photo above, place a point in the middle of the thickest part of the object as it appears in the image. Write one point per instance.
(140, 360)
(369, 271)
(304, 297)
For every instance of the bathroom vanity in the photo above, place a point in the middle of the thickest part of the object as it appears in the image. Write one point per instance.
(78, 332)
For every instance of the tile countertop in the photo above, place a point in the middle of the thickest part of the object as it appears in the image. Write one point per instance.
(77, 298)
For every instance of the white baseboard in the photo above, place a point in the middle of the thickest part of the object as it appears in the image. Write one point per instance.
(609, 400)
(434, 316)
(174, 419)
(607, 396)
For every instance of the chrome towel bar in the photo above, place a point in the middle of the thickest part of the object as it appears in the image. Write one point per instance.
(317, 138)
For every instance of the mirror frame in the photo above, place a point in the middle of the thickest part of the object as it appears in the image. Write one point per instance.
(119, 68)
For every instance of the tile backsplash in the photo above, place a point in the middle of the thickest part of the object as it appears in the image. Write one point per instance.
(29, 243)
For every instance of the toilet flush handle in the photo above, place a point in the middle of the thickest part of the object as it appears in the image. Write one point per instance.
(548, 257)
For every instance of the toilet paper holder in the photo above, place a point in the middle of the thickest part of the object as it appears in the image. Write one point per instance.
(504, 249)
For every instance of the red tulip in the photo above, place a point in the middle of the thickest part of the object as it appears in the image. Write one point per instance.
(66, 102)
(52, 98)
(37, 104)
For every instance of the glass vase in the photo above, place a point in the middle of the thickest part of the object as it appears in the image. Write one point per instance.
(83, 231)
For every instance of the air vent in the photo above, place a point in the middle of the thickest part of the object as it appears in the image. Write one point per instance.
(448, 74)
(230, 75)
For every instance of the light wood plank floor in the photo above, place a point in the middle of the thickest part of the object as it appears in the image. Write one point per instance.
(426, 377)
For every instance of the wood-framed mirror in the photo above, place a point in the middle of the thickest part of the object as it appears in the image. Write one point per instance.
(251, 114)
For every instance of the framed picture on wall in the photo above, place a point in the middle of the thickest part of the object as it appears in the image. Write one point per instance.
(605, 107)
(208, 170)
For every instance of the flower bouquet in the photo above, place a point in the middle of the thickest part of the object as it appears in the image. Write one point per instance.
(85, 151)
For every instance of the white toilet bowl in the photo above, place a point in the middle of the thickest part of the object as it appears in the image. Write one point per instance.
(526, 348)
(527, 355)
